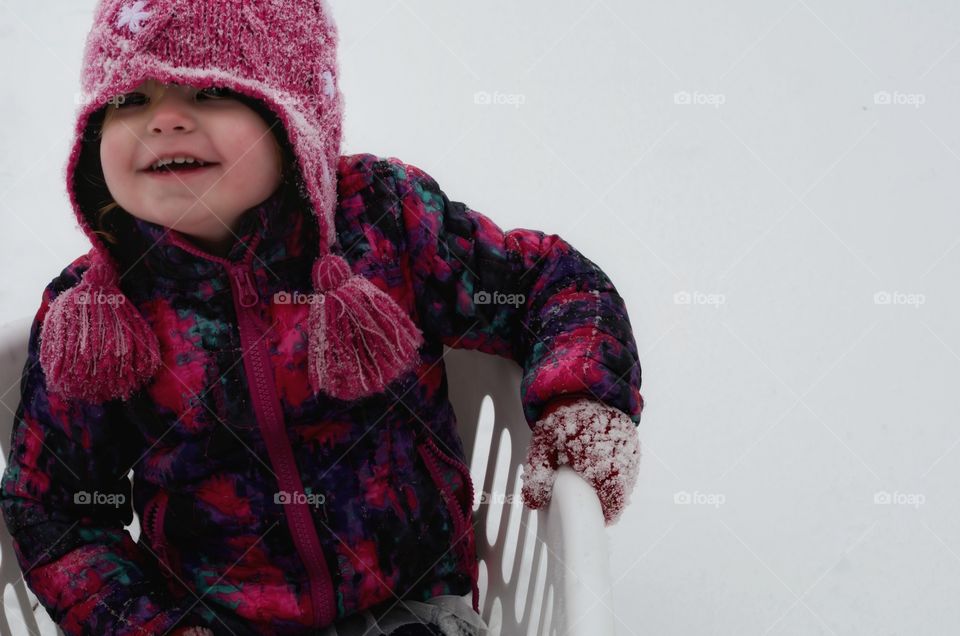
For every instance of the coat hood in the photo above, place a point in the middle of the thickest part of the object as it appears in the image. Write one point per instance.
(283, 54)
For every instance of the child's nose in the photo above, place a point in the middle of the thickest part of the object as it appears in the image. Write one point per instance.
(171, 114)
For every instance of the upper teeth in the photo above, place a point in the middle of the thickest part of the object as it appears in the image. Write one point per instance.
(164, 162)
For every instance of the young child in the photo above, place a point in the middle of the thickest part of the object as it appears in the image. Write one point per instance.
(257, 332)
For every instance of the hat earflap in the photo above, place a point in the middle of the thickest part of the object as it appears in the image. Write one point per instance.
(94, 344)
(360, 339)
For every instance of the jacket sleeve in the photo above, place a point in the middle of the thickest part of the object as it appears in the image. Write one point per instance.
(65, 498)
(520, 294)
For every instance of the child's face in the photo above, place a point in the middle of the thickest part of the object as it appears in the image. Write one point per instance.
(160, 120)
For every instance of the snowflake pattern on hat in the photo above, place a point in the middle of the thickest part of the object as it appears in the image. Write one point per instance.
(133, 16)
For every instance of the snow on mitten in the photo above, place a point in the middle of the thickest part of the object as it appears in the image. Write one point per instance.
(598, 441)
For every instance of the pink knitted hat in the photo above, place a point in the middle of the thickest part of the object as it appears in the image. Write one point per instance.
(283, 53)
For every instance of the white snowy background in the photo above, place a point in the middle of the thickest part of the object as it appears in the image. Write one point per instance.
(767, 184)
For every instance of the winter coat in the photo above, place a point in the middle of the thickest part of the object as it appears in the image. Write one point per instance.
(283, 511)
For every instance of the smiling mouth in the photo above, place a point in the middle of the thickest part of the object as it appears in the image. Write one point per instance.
(178, 168)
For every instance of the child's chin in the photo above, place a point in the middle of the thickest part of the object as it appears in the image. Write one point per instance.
(181, 217)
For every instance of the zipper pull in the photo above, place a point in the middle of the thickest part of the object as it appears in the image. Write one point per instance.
(248, 291)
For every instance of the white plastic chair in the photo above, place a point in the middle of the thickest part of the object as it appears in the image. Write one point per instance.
(20, 612)
(544, 572)
(541, 573)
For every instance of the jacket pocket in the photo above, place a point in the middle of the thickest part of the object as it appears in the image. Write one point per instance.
(153, 520)
(452, 479)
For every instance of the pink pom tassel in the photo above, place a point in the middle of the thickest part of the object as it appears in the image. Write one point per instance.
(94, 345)
(360, 339)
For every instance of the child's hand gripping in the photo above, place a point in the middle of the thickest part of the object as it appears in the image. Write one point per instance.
(599, 442)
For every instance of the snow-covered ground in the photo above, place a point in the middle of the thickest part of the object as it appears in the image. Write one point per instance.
(767, 184)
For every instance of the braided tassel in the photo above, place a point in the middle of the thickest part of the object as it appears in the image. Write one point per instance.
(94, 345)
(360, 339)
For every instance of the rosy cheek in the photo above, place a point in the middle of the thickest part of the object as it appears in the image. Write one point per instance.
(111, 152)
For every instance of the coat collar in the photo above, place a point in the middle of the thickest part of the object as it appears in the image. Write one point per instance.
(271, 234)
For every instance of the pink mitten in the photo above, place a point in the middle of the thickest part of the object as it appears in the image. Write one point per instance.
(598, 441)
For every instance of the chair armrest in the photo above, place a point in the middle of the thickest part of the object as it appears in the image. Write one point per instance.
(577, 537)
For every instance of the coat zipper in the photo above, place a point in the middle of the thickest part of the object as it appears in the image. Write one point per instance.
(269, 415)
(267, 407)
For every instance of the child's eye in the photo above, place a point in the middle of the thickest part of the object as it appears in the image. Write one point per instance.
(215, 92)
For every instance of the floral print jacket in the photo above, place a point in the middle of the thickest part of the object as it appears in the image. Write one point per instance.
(265, 509)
